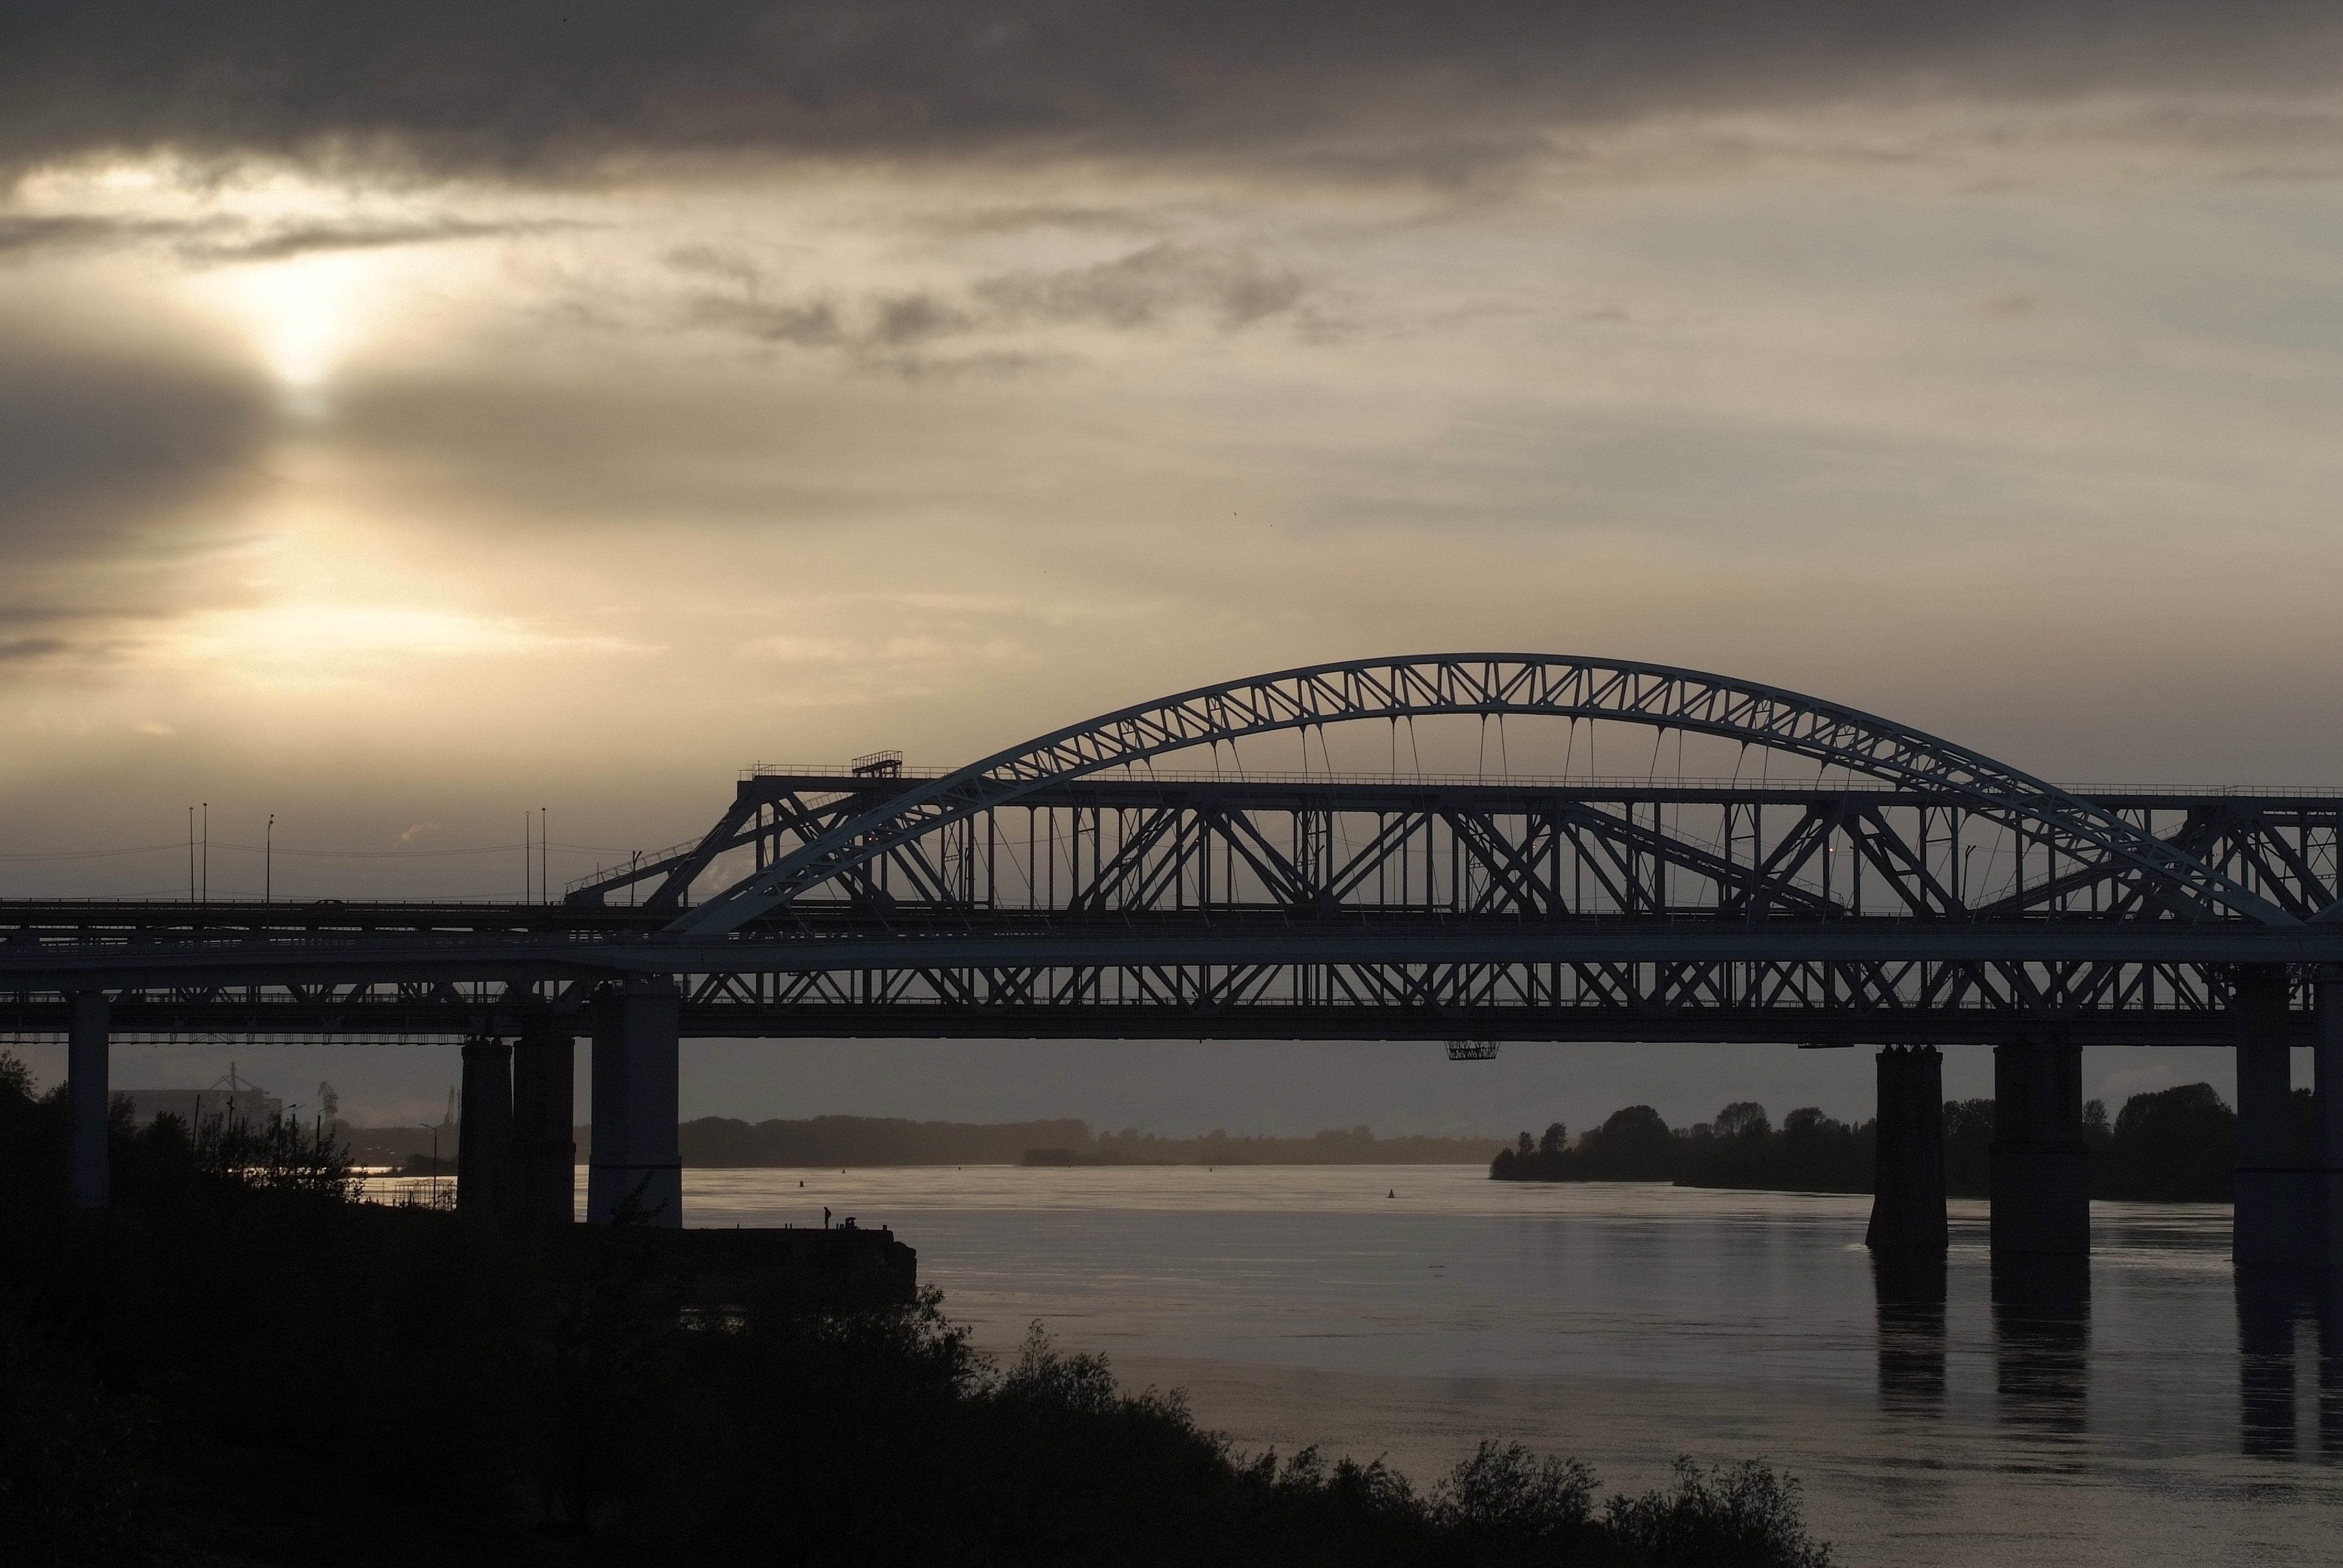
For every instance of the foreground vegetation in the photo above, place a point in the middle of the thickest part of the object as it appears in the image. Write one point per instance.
(2176, 1145)
(240, 1363)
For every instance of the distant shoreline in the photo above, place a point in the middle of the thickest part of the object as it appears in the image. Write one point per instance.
(831, 1143)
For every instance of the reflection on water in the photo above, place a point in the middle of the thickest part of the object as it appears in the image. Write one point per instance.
(2266, 1302)
(2163, 1417)
(2042, 1345)
(1911, 1293)
(2286, 1316)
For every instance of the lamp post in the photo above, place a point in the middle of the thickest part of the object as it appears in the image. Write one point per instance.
(268, 861)
(428, 1127)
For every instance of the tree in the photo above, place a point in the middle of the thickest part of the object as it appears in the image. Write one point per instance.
(1634, 1145)
(2176, 1146)
(1808, 1122)
(1968, 1147)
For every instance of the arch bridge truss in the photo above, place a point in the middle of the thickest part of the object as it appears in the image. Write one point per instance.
(1852, 881)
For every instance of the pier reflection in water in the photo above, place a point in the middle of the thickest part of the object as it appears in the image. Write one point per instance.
(2042, 1343)
(1410, 1311)
(2287, 1317)
(1911, 1294)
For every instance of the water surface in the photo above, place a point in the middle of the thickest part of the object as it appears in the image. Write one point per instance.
(1408, 1311)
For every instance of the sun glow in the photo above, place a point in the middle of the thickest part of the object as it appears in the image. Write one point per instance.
(305, 316)
(317, 638)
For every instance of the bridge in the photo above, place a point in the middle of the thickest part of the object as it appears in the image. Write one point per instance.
(1813, 874)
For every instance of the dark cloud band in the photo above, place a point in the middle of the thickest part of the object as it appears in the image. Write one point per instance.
(542, 89)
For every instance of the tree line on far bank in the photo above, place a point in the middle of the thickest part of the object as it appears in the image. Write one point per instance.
(1332, 1146)
(2176, 1145)
(724, 1142)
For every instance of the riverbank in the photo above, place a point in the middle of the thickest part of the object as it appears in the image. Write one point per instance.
(238, 1363)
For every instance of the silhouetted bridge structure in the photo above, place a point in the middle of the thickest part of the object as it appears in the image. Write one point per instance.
(1847, 881)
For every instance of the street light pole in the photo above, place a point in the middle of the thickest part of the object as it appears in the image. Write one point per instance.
(269, 863)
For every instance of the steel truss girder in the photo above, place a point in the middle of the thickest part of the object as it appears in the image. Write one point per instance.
(1819, 1003)
(1492, 685)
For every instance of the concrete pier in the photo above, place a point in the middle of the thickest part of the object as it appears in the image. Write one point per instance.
(88, 1049)
(2326, 1182)
(1907, 1204)
(540, 1179)
(636, 1024)
(2277, 1196)
(2040, 1186)
(484, 1142)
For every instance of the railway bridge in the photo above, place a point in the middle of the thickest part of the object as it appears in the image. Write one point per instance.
(1769, 867)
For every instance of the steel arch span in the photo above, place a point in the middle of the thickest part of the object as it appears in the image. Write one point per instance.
(2065, 826)
(1900, 889)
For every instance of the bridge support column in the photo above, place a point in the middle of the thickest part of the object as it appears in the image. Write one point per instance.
(635, 1025)
(2273, 1216)
(2327, 1061)
(484, 1140)
(88, 1042)
(2041, 1188)
(1907, 1204)
(541, 1180)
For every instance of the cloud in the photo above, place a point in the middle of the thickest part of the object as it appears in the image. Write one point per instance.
(24, 234)
(1025, 218)
(221, 239)
(1142, 288)
(1145, 289)
(286, 241)
(536, 89)
(102, 452)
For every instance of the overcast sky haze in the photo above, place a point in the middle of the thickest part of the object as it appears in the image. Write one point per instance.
(417, 414)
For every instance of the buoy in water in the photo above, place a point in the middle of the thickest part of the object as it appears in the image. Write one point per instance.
(1392, 1193)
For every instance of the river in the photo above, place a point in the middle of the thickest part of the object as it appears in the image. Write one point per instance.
(1409, 1310)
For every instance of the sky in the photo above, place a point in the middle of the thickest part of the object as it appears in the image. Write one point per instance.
(418, 415)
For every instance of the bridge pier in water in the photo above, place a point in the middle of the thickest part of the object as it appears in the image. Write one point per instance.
(88, 1050)
(516, 1154)
(540, 1175)
(1907, 1204)
(484, 1140)
(2040, 1186)
(1907, 1234)
(2326, 1195)
(635, 1028)
(2278, 1203)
